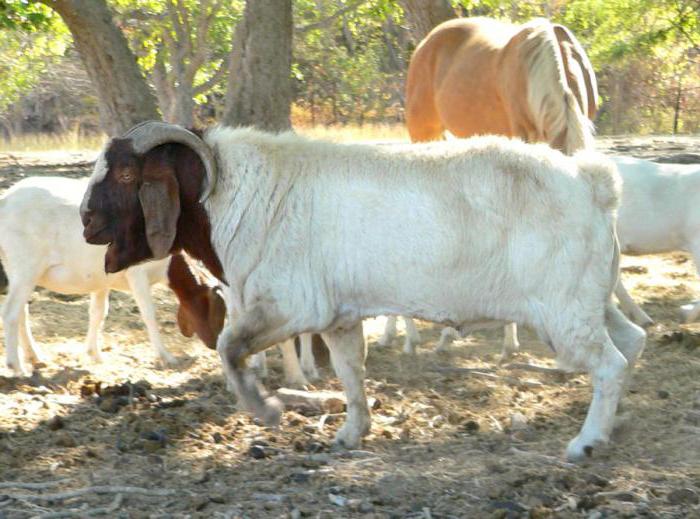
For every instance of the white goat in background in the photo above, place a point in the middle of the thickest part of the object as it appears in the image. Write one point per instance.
(41, 244)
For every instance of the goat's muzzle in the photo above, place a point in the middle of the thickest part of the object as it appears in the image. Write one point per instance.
(95, 230)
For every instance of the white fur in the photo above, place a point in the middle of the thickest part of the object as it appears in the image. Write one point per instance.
(41, 244)
(660, 212)
(316, 236)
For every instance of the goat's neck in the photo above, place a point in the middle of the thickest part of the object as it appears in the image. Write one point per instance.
(193, 226)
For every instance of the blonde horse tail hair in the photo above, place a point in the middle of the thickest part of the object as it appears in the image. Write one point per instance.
(555, 110)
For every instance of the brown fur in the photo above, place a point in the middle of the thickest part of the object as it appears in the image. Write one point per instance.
(202, 309)
(467, 76)
(116, 216)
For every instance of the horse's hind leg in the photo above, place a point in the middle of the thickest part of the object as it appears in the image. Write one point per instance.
(422, 118)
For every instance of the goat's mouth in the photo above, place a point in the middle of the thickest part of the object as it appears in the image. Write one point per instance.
(100, 236)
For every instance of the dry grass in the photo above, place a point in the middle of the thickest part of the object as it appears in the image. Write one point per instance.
(73, 141)
(441, 444)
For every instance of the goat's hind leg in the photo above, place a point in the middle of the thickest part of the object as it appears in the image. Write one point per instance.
(608, 369)
(691, 312)
(13, 319)
(631, 308)
(348, 354)
(141, 290)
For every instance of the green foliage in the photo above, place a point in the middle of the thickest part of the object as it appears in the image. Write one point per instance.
(149, 26)
(350, 69)
(351, 56)
(26, 53)
(24, 15)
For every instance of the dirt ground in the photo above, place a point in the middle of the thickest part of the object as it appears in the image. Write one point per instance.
(443, 444)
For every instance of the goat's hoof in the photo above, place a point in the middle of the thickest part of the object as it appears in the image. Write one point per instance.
(95, 358)
(38, 360)
(643, 320)
(169, 361)
(297, 382)
(582, 448)
(347, 439)
(272, 412)
(18, 370)
(506, 357)
(686, 312)
(312, 375)
(383, 341)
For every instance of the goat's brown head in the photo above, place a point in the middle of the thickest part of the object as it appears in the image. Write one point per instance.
(133, 200)
(202, 309)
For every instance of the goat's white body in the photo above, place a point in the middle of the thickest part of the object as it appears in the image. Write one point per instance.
(314, 237)
(41, 244)
(337, 212)
(659, 212)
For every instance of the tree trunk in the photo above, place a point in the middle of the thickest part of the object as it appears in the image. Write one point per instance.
(423, 15)
(125, 97)
(260, 89)
(677, 105)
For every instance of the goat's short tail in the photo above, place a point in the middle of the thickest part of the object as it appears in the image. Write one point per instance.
(602, 176)
(556, 112)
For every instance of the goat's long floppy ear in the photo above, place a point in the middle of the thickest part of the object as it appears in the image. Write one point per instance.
(160, 203)
(184, 323)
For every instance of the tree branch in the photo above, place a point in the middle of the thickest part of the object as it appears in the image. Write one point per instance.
(324, 22)
(213, 80)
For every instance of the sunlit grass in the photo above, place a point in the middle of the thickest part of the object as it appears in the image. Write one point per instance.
(73, 141)
(70, 141)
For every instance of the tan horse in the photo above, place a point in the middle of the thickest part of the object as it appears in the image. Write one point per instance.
(477, 75)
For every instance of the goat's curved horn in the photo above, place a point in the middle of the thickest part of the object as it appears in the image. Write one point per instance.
(149, 134)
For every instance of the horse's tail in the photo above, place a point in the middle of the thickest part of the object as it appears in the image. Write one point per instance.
(556, 112)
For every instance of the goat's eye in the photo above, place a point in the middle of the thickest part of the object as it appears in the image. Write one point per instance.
(126, 175)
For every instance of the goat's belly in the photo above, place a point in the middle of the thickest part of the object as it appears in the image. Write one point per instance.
(649, 241)
(67, 281)
(451, 300)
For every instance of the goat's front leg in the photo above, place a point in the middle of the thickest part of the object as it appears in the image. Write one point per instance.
(141, 290)
(34, 353)
(99, 306)
(412, 336)
(308, 362)
(511, 345)
(348, 354)
(293, 374)
(251, 333)
(389, 331)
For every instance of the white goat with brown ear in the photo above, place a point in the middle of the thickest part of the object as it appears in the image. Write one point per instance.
(315, 237)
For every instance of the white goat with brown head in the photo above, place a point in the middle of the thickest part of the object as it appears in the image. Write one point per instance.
(314, 237)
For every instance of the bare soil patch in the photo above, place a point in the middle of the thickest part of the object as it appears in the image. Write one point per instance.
(442, 444)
